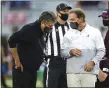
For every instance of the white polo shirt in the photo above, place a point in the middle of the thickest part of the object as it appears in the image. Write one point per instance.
(90, 42)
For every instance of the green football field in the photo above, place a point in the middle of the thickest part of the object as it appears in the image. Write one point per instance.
(39, 80)
(9, 83)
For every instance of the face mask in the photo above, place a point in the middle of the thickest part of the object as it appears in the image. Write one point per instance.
(64, 17)
(74, 25)
(47, 30)
(106, 22)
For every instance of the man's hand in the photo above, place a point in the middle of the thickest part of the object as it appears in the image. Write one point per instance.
(45, 62)
(89, 66)
(102, 76)
(75, 52)
(18, 65)
(3, 55)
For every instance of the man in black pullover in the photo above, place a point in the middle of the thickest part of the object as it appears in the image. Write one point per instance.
(27, 46)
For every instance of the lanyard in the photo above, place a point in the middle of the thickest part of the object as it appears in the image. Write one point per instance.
(42, 42)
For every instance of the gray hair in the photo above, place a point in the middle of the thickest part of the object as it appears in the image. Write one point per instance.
(47, 16)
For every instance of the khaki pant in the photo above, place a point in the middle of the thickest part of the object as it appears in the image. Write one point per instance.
(81, 80)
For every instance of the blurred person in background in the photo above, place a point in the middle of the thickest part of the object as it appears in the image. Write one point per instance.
(88, 3)
(57, 64)
(27, 48)
(3, 60)
(103, 76)
(84, 47)
(15, 29)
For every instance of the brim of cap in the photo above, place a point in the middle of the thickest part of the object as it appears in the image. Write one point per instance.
(100, 16)
(69, 7)
(65, 8)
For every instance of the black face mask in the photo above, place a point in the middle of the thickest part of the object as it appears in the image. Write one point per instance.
(64, 17)
(47, 30)
(106, 22)
(74, 25)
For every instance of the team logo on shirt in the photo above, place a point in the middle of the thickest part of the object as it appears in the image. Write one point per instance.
(87, 35)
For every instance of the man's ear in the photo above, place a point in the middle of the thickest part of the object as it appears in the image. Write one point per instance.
(42, 24)
(81, 19)
(57, 13)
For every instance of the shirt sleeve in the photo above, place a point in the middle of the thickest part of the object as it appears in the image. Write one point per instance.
(65, 47)
(105, 65)
(100, 48)
(106, 42)
(17, 37)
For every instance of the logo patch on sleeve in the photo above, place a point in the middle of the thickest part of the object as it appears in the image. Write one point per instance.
(106, 69)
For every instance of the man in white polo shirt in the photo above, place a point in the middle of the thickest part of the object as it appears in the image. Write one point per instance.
(84, 47)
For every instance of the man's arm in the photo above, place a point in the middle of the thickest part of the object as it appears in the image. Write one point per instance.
(102, 76)
(104, 72)
(19, 36)
(15, 55)
(100, 52)
(100, 48)
(3, 55)
(15, 39)
(106, 42)
(66, 49)
(104, 64)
